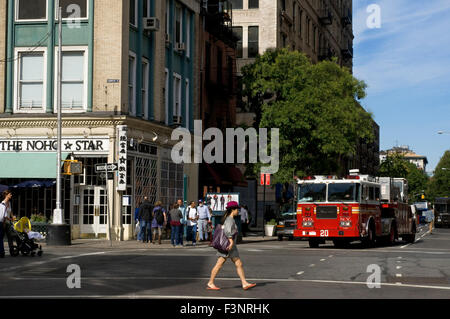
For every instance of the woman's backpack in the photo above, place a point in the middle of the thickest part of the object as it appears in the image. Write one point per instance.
(159, 216)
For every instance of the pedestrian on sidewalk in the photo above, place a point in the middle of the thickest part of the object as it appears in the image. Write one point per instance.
(192, 218)
(5, 221)
(145, 217)
(204, 218)
(137, 220)
(175, 223)
(159, 221)
(244, 220)
(230, 230)
(182, 209)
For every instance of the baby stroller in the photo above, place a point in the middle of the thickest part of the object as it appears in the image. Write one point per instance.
(21, 232)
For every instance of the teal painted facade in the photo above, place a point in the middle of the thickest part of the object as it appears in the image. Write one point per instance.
(181, 64)
(45, 34)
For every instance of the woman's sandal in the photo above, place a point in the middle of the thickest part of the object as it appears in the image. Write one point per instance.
(212, 288)
(249, 286)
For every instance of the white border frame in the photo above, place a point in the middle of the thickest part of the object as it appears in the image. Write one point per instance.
(84, 49)
(132, 108)
(76, 19)
(16, 13)
(17, 52)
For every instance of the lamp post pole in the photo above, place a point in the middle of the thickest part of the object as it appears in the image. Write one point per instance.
(57, 215)
(59, 232)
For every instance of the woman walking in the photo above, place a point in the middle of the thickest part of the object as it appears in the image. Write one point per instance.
(230, 230)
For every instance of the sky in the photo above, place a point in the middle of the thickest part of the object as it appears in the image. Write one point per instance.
(406, 65)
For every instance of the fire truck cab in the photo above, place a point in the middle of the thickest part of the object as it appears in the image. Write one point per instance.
(340, 210)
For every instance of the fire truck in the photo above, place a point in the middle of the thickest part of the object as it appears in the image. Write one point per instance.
(355, 208)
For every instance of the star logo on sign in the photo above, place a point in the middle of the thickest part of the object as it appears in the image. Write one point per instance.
(68, 146)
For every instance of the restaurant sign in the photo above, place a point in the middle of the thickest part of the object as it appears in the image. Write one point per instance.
(69, 144)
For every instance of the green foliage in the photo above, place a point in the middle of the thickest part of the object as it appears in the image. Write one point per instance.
(38, 218)
(313, 105)
(395, 165)
(271, 222)
(439, 185)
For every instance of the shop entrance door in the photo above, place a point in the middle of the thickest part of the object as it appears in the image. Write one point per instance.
(94, 210)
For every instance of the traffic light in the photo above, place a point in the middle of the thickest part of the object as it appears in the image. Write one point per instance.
(422, 196)
(73, 167)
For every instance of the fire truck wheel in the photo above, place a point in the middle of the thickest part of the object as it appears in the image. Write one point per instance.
(313, 243)
(370, 240)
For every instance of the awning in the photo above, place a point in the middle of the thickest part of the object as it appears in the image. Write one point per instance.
(29, 165)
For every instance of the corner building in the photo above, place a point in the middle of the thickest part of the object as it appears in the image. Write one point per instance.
(125, 87)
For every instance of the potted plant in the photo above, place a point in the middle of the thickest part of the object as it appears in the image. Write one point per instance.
(269, 228)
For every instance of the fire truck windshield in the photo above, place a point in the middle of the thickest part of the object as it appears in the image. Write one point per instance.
(344, 192)
(308, 193)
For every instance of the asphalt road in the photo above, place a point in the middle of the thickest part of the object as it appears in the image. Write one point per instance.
(282, 270)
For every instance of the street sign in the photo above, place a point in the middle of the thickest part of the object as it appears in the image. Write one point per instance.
(110, 167)
(103, 175)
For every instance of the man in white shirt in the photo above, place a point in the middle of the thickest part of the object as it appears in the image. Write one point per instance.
(192, 218)
(5, 218)
(204, 217)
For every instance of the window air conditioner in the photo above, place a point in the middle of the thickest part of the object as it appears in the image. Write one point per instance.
(151, 24)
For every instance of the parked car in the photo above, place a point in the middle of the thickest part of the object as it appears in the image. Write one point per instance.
(287, 223)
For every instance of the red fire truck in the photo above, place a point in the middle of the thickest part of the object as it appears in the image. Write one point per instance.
(350, 209)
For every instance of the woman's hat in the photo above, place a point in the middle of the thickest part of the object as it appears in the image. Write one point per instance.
(232, 205)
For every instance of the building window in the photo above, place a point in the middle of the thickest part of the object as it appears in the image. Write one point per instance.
(171, 182)
(132, 84)
(253, 42)
(74, 88)
(253, 4)
(283, 5)
(176, 95)
(133, 12)
(166, 96)
(237, 31)
(300, 21)
(219, 66)
(146, 9)
(73, 9)
(31, 10)
(236, 4)
(187, 104)
(31, 81)
(188, 34)
(167, 25)
(145, 96)
(178, 25)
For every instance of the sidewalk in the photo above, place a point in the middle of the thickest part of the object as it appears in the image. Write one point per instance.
(134, 244)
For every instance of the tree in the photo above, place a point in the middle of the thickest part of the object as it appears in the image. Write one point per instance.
(396, 166)
(313, 105)
(439, 185)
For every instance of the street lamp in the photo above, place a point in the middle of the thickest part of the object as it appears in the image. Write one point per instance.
(59, 232)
